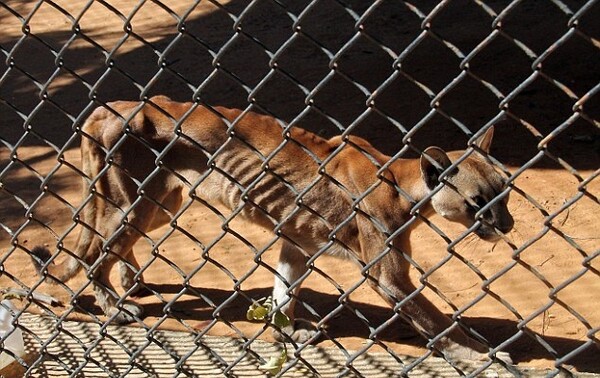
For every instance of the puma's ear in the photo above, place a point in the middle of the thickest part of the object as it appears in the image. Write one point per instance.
(485, 141)
(434, 161)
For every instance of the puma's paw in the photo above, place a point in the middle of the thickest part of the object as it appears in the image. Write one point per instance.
(504, 356)
(459, 352)
(129, 313)
(300, 332)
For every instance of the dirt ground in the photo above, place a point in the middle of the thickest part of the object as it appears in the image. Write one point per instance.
(551, 290)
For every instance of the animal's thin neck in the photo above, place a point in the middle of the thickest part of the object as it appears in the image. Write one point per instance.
(407, 173)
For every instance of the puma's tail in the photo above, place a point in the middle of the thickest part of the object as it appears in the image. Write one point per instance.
(92, 164)
(59, 272)
(40, 256)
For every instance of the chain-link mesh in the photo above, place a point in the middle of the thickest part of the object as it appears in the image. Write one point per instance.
(401, 75)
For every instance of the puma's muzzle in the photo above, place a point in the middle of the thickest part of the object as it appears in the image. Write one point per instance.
(492, 231)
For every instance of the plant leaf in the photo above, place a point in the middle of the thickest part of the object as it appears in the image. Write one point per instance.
(275, 364)
(280, 319)
(258, 310)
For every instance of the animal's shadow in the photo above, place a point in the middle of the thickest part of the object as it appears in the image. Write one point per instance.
(524, 346)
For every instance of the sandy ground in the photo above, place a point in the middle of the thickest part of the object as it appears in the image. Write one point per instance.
(551, 290)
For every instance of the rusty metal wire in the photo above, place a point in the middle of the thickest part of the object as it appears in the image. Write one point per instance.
(403, 75)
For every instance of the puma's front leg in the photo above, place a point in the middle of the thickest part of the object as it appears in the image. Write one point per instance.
(395, 286)
(292, 265)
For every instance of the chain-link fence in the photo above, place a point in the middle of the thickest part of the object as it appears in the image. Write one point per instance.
(210, 195)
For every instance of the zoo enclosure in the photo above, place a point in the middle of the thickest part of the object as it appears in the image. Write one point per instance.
(403, 75)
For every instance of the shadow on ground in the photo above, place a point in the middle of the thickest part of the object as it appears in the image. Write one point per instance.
(347, 324)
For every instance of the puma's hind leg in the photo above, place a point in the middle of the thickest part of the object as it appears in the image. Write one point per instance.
(108, 299)
(122, 235)
(129, 266)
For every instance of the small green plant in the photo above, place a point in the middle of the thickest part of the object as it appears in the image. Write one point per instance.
(259, 311)
(275, 364)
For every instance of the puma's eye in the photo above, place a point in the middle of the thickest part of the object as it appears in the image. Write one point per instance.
(480, 201)
(477, 200)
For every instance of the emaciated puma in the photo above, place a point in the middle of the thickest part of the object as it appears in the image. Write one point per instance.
(142, 159)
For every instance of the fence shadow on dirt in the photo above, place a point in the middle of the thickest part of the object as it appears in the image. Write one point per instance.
(363, 64)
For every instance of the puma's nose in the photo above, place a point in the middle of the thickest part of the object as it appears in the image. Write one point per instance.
(506, 224)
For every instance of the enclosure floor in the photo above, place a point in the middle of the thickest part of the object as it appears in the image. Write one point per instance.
(79, 349)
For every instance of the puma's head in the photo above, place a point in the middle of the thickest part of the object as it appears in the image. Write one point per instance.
(470, 187)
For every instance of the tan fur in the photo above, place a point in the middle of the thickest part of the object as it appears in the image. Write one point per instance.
(279, 188)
